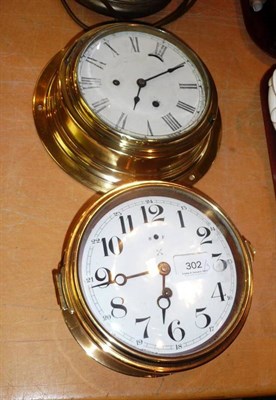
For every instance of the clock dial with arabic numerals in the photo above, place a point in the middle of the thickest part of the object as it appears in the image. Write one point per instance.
(157, 276)
(141, 84)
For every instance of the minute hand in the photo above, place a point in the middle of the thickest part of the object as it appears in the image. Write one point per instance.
(169, 70)
(120, 279)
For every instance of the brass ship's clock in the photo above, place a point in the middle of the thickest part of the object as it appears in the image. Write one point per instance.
(154, 279)
(127, 102)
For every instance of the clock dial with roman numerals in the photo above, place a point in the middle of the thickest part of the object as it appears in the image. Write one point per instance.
(141, 84)
(126, 102)
(162, 276)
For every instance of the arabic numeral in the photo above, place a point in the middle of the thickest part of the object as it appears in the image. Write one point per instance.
(147, 320)
(204, 320)
(175, 332)
(204, 233)
(155, 211)
(118, 308)
(181, 219)
(218, 292)
(114, 245)
(126, 223)
(219, 265)
(103, 275)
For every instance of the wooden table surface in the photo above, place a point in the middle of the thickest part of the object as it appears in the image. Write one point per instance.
(39, 357)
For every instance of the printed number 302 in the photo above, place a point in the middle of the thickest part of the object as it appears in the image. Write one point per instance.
(193, 265)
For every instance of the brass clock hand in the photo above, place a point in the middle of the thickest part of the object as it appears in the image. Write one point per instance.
(120, 279)
(164, 301)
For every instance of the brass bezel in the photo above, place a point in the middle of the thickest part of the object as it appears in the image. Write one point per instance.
(103, 158)
(107, 350)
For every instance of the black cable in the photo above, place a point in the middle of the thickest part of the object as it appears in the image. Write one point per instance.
(73, 16)
(178, 12)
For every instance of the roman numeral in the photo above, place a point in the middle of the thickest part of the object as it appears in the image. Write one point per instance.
(160, 50)
(101, 104)
(187, 85)
(134, 44)
(171, 122)
(121, 121)
(90, 83)
(97, 63)
(149, 129)
(185, 106)
(114, 52)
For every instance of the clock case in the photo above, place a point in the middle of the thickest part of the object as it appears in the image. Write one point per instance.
(103, 158)
(95, 340)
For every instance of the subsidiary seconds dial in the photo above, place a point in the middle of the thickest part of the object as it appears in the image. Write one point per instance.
(162, 279)
(141, 84)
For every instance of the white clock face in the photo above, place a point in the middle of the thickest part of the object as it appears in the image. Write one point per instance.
(157, 274)
(140, 84)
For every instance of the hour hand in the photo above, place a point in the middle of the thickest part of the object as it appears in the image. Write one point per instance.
(141, 83)
(136, 100)
(164, 303)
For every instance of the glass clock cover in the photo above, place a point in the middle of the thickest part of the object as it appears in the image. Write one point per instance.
(161, 275)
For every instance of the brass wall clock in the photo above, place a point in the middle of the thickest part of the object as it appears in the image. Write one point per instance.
(128, 102)
(154, 279)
